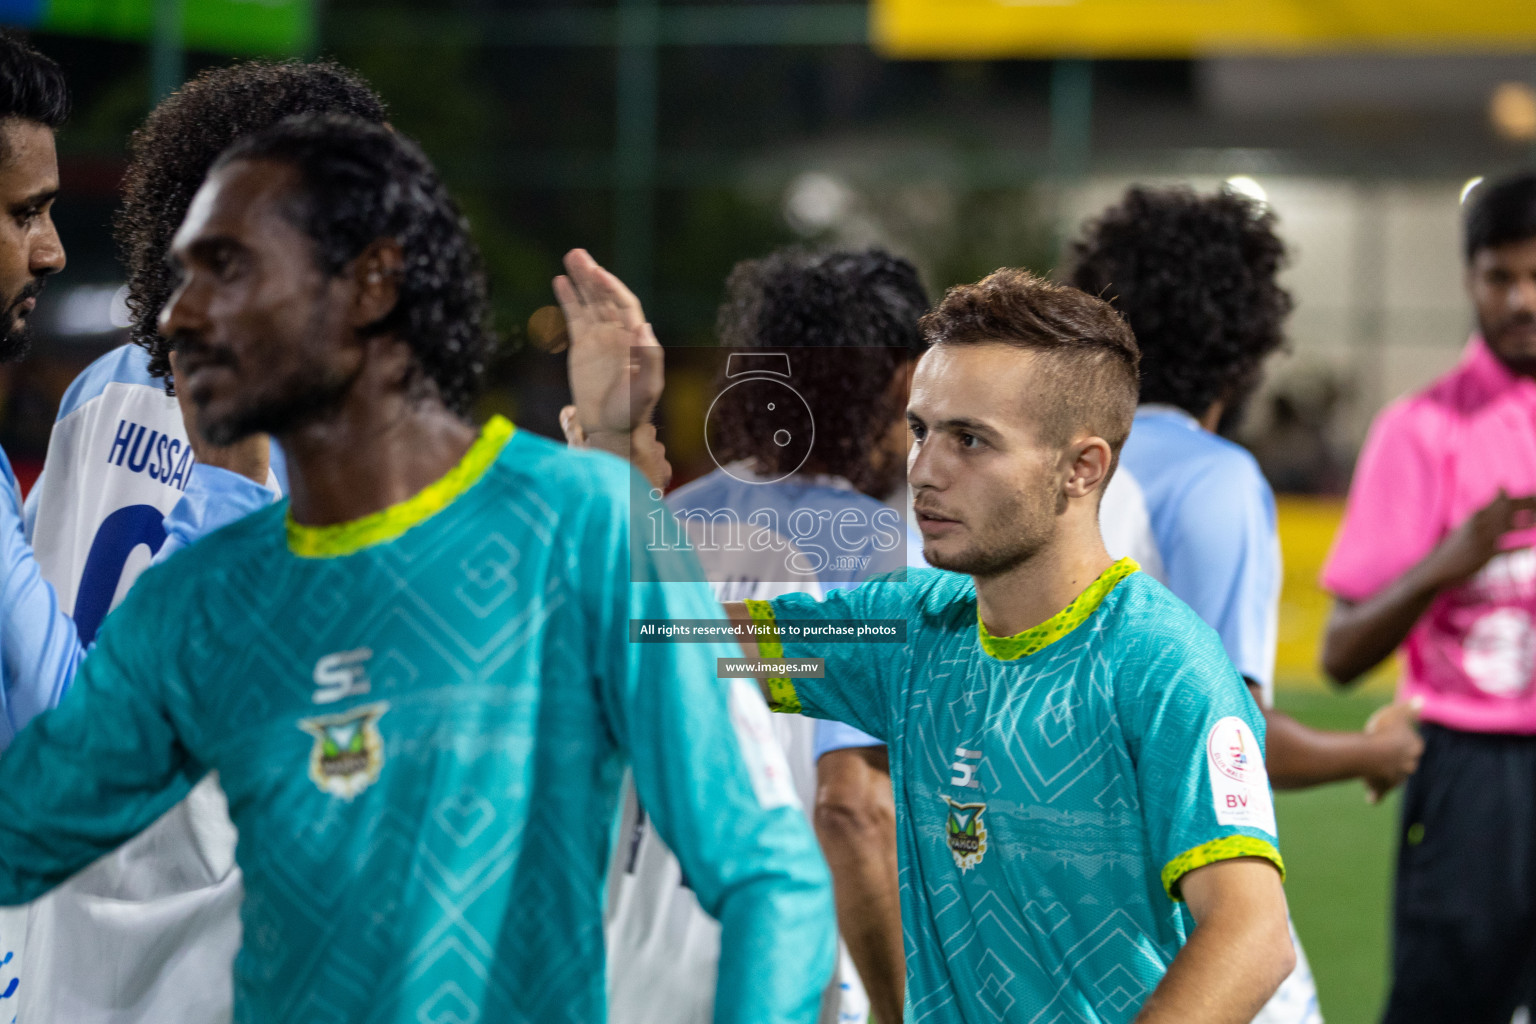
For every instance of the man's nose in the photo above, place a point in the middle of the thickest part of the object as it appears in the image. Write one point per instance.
(1522, 297)
(920, 466)
(182, 312)
(47, 254)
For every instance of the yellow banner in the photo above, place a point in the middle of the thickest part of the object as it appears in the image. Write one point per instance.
(929, 29)
(1307, 526)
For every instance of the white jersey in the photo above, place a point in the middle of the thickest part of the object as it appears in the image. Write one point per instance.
(147, 933)
(663, 949)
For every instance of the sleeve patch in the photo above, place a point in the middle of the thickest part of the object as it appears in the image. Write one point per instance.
(760, 751)
(1239, 783)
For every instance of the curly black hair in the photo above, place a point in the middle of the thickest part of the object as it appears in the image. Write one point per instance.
(170, 153)
(862, 307)
(32, 86)
(360, 182)
(1195, 276)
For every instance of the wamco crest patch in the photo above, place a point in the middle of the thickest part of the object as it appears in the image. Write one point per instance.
(965, 833)
(348, 753)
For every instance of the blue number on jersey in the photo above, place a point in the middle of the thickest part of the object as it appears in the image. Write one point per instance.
(120, 533)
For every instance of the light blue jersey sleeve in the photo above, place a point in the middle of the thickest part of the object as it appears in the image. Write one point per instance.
(1221, 556)
(214, 497)
(39, 646)
(718, 788)
(106, 763)
(1196, 740)
(857, 686)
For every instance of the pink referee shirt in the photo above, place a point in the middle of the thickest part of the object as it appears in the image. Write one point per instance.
(1430, 461)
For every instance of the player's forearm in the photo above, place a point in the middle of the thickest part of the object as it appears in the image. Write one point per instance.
(1360, 635)
(778, 945)
(40, 649)
(856, 823)
(1233, 962)
(1297, 756)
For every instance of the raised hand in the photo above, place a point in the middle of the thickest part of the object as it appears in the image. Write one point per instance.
(614, 360)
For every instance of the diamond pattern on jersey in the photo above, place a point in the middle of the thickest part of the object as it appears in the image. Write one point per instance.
(1088, 753)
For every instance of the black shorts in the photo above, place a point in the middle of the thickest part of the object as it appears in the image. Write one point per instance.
(1464, 922)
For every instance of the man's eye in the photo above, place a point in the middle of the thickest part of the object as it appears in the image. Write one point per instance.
(918, 430)
(969, 441)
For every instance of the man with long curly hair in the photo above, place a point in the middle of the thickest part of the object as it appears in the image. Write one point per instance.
(844, 327)
(415, 678)
(1196, 278)
(148, 933)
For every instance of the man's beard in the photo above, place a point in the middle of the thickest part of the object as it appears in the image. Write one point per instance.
(1030, 528)
(308, 396)
(16, 342)
(1520, 364)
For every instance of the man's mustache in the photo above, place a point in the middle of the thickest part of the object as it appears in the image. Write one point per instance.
(30, 290)
(1518, 320)
(192, 349)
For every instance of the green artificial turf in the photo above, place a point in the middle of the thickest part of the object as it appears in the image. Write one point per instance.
(1339, 856)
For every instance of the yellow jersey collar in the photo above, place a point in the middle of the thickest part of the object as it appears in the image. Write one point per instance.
(1019, 645)
(389, 523)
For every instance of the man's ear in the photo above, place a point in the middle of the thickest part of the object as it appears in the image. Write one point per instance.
(1089, 470)
(376, 282)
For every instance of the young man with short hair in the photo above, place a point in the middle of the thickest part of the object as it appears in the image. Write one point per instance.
(413, 680)
(1434, 554)
(1083, 820)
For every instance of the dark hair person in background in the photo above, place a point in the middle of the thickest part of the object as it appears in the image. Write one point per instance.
(1196, 278)
(845, 326)
(1435, 555)
(39, 650)
(148, 935)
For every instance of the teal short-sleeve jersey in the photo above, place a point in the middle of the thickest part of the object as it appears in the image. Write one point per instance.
(1052, 787)
(421, 719)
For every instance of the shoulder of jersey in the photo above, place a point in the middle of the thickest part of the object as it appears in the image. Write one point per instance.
(940, 596)
(126, 364)
(1141, 607)
(1203, 452)
(559, 474)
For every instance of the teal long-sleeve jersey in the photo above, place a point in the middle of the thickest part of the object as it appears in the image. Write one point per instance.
(421, 719)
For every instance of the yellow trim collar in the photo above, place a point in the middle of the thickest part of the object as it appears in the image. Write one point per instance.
(1225, 848)
(1020, 645)
(781, 689)
(389, 523)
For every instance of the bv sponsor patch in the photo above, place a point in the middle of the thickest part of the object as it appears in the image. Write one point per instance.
(348, 753)
(965, 833)
(1239, 783)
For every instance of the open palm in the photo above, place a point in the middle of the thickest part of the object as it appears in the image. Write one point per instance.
(614, 360)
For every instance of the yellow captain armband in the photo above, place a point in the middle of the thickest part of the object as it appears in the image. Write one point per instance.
(1225, 848)
(781, 691)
